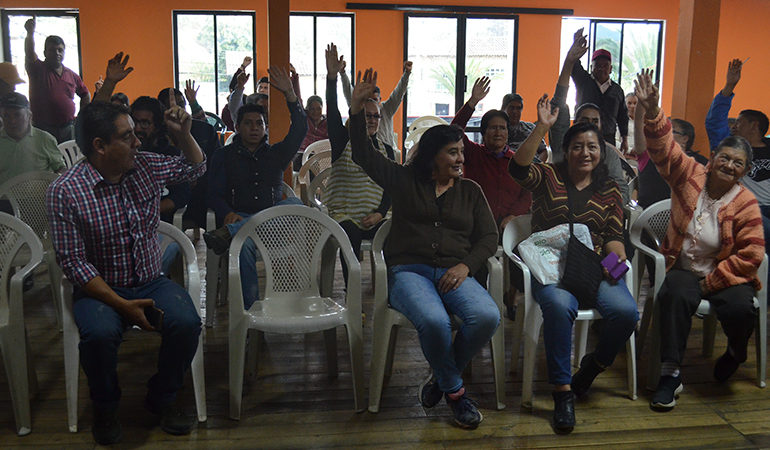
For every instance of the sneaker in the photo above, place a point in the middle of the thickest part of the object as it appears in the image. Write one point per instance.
(725, 367)
(465, 410)
(563, 411)
(664, 398)
(584, 377)
(218, 240)
(430, 394)
(172, 420)
(106, 429)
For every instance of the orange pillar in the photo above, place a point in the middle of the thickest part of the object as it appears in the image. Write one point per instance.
(696, 53)
(278, 55)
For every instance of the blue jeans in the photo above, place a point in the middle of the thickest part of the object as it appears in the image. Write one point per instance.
(248, 258)
(413, 292)
(559, 307)
(168, 257)
(101, 332)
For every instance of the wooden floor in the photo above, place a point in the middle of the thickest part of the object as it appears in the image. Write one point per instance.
(293, 403)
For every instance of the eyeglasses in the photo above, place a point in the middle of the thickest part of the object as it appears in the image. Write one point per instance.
(373, 116)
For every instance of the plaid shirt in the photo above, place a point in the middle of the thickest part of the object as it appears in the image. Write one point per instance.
(110, 230)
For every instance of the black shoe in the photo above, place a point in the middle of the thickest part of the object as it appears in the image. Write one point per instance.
(585, 376)
(218, 240)
(725, 367)
(106, 429)
(430, 394)
(664, 398)
(510, 311)
(466, 412)
(172, 420)
(563, 412)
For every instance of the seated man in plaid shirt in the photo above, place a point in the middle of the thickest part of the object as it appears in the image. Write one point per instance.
(104, 215)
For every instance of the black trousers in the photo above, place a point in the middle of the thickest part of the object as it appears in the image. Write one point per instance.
(679, 298)
(356, 235)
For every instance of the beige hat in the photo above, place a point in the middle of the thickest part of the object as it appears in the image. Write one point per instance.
(9, 74)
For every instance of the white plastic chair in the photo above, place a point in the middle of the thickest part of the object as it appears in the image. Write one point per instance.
(516, 231)
(386, 320)
(16, 237)
(298, 245)
(70, 152)
(651, 221)
(26, 193)
(316, 191)
(168, 234)
(216, 266)
(316, 147)
(314, 165)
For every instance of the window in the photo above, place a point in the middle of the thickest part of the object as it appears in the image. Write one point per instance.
(209, 46)
(449, 53)
(63, 23)
(633, 44)
(310, 33)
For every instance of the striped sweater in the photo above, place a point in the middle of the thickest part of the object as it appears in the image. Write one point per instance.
(601, 212)
(740, 221)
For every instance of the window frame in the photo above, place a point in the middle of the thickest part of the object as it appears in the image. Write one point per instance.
(461, 45)
(352, 58)
(175, 13)
(592, 40)
(5, 14)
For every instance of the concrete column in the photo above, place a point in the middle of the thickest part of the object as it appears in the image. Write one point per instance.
(278, 55)
(696, 53)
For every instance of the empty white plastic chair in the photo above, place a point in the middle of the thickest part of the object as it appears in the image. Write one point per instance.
(168, 234)
(298, 246)
(16, 237)
(316, 147)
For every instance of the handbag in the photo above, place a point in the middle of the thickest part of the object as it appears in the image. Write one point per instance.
(583, 269)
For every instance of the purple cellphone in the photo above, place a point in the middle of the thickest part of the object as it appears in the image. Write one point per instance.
(614, 268)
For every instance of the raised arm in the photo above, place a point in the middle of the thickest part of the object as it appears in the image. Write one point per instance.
(390, 106)
(347, 88)
(338, 134)
(640, 142)
(236, 97)
(178, 123)
(29, 44)
(717, 127)
(478, 92)
(288, 147)
(546, 117)
(556, 136)
(191, 94)
(116, 72)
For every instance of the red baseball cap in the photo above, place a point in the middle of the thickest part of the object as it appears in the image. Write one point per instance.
(601, 53)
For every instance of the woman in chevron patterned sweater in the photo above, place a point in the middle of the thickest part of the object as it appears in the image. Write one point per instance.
(713, 246)
(596, 202)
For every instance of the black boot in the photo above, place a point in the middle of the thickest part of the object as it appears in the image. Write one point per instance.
(585, 376)
(563, 412)
(218, 240)
(106, 429)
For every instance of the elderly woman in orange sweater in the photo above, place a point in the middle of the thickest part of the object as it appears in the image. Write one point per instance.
(712, 248)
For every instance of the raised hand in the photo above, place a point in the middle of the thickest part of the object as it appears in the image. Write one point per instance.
(579, 46)
(734, 72)
(647, 93)
(480, 89)
(243, 77)
(363, 90)
(178, 121)
(280, 80)
(334, 64)
(98, 84)
(408, 66)
(116, 68)
(246, 62)
(190, 91)
(545, 114)
(29, 25)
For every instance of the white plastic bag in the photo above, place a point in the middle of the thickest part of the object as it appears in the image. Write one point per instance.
(545, 252)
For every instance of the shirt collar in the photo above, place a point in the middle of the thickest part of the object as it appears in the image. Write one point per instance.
(604, 86)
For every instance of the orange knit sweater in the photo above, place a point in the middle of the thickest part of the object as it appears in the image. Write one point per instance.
(740, 222)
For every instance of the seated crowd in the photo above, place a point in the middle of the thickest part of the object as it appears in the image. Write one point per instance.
(150, 159)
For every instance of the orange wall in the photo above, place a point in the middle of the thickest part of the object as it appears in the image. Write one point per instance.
(143, 29)
(744, 32)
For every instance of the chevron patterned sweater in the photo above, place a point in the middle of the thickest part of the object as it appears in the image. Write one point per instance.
(599, 209)
(740, 222)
